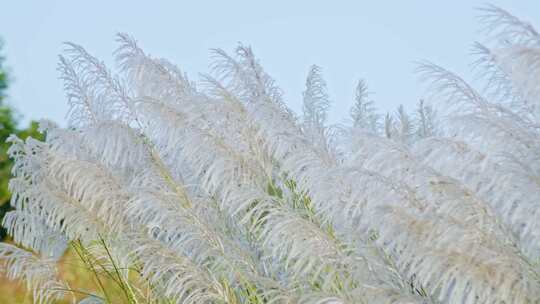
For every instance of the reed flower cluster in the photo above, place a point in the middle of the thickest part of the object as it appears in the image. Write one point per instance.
(216, 192)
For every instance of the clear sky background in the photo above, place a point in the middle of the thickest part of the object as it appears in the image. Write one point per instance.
(375, 40)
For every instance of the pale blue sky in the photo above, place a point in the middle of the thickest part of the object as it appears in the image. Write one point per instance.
(375, 40)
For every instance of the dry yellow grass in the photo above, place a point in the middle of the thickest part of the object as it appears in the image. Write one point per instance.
(72, 270)
(13, 292)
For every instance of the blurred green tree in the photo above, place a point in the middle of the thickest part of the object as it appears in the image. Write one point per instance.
(9, 121)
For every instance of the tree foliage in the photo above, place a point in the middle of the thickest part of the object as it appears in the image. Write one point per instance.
(215, 192)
